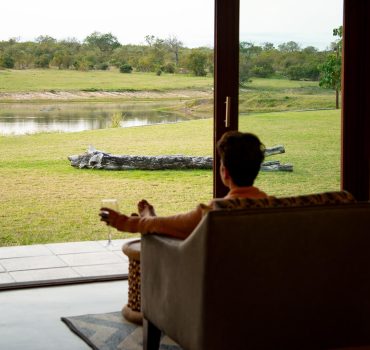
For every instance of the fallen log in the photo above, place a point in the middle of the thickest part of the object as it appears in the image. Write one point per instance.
(275, 165)
(94, 159)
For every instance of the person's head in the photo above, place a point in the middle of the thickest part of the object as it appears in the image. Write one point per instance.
(242, 155)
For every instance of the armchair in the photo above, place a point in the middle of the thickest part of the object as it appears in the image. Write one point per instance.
(267, 278)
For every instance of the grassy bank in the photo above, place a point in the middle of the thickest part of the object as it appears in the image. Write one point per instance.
(44, 199)
(259, 95)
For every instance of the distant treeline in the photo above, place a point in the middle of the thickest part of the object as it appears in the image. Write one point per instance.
(100, 51)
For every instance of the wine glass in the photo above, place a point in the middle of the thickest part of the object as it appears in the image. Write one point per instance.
(110, 204)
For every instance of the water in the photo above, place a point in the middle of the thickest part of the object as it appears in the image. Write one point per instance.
(30, 118)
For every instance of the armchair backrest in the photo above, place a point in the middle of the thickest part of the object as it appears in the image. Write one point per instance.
(287, 279)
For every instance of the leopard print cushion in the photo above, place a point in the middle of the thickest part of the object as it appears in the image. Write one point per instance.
(339, 197)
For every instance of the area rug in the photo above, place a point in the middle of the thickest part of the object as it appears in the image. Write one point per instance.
(111, 331)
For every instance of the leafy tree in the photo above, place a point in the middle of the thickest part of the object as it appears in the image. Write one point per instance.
(262, 65)
(331, 69)
(43, 61)
(249, 50)
(105, 42)
(198, 62)
(62, 59)
(309, 50)
(290, 46)
(296, 72)
(45, 39)
(268, 46)
(158, 53)
(244, 70)
(22, 54)
(6, 61)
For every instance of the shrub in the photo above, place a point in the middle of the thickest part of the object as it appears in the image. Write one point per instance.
(102, 66)
(197, 63)
(125, 68)
(7, 62)
(263, 71)
(296, 72)
(169, 68)
(43, 61)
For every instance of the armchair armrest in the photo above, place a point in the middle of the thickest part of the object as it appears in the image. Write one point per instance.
(172, 283)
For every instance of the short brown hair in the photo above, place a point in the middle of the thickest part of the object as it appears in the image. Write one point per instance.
(242, 154)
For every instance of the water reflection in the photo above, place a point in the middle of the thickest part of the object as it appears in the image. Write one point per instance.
(25, 118)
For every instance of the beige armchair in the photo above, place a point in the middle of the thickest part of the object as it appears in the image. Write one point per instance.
(292, 278)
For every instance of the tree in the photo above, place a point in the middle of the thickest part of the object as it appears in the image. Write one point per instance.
(6, 61)
(105, 42)
(198, 62)
(174, 45)
(45, 39)
(150, 39)
(290, 46)
(247, 51)
(268, 46)
(331, 69)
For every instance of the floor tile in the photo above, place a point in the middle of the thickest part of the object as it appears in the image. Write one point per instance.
(44, 274)
(2, 268)
(6, 278)
(91, 258)
(24, 251)
(121, 255)
(32, 263)
(74, 247)
(30, 318)
(102, 270)
(117, 244)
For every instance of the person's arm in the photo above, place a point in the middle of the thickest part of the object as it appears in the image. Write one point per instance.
(178, 226)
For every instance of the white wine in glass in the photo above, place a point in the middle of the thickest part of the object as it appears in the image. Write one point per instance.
(110, 204)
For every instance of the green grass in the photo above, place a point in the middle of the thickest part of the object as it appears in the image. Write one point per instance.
(44, 199)
(271, 95)
(36, 80)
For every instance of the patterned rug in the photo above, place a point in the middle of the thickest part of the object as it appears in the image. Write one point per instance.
(111, 331)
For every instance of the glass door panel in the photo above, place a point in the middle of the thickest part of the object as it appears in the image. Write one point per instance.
(289, 74)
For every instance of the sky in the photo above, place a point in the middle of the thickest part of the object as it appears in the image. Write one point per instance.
(308, 22)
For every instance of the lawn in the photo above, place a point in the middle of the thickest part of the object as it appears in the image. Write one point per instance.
(32, 80)
(44, 199)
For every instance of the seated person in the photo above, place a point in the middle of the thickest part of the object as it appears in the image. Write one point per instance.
(241, 157)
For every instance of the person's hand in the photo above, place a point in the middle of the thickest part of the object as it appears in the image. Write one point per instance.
(145, 208)
(112, 217)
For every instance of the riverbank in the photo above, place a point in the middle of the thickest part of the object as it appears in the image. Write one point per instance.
(72, 96)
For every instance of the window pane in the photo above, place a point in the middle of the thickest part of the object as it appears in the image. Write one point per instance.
(93, 77)
(286, 95)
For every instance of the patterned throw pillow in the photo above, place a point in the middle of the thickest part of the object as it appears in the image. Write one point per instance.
(339, 197)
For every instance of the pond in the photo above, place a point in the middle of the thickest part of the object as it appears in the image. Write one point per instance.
(30, 118)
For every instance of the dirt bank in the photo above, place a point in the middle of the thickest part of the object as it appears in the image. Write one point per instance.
(101, 95)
